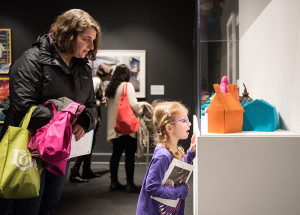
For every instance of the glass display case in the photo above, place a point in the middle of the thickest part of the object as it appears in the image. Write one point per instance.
(245, 172)
(216, 45)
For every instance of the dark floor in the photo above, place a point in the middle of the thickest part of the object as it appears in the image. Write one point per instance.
(95, 198)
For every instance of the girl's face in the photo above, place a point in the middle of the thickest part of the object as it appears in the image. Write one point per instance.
(181, 125)
(84, 43)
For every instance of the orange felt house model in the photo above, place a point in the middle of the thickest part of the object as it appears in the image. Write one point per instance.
(225, 112)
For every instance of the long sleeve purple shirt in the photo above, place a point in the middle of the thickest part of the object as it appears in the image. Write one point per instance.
(152, 186)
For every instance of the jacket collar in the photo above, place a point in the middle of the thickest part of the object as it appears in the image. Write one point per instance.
(49, 55)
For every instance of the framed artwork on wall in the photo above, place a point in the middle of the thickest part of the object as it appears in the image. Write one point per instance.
(4, 97)
(5, 50)
(134, 59)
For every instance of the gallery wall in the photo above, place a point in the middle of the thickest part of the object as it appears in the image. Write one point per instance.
(163, 28)
(270, 56)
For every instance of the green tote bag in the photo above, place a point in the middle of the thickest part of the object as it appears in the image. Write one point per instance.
(19, 173)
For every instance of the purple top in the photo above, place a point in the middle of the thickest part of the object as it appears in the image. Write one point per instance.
(152, 186)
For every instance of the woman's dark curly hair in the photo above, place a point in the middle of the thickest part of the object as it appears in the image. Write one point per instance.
(121, 74)
(68, 25)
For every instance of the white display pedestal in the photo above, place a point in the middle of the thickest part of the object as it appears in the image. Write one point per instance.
(247, 173)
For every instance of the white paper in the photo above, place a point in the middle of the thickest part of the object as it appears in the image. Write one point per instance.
(82, 146)
(170, 202)
(172, 173)
(196, 129)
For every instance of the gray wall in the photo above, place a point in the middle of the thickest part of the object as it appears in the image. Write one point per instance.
(163, 28)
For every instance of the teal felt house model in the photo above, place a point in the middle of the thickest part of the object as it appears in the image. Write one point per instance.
(259, 115)
(205, 106)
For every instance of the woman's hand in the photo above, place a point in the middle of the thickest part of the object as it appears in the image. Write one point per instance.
(193, 143)
(78, 131)
(103, 100)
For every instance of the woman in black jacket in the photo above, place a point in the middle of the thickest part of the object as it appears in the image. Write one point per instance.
(56, 66)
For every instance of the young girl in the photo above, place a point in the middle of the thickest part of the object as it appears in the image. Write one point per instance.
(171, 124)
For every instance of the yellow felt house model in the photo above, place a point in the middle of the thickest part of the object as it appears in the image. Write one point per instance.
(225, 112)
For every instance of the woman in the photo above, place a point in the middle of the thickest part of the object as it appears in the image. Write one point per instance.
(104, 71)
(121, 142)
(56, 66)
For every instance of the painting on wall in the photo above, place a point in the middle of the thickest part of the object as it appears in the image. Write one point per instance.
(5, 50)
(4, 97)
(134, 59)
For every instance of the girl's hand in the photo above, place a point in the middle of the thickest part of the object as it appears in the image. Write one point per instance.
(193, 143)
(78, 131)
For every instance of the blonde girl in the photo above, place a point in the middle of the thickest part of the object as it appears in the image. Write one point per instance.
(171, 124)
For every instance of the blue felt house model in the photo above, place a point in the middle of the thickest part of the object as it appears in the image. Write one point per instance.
(259, 115)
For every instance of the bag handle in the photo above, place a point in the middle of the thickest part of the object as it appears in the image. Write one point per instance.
(25, 121)
(124, 91)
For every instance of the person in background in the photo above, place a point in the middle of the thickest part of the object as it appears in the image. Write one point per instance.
(56, 66)
(103, 74)
(121, 142)
(135, 74)
(171, 124)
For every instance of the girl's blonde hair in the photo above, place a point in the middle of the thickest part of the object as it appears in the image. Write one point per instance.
(164, 112)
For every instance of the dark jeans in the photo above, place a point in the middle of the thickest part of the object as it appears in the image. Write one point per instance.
(120, 144)
(50, 192)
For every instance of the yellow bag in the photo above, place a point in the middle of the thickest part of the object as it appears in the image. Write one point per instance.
(19, 173)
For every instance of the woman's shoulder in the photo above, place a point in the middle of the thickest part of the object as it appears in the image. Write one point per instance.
(30, 54)
(96, 81)
(130, 88)
(129, 84)
(120, 87)
(28, 60)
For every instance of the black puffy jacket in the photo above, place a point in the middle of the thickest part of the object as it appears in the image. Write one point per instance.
(40, 74)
